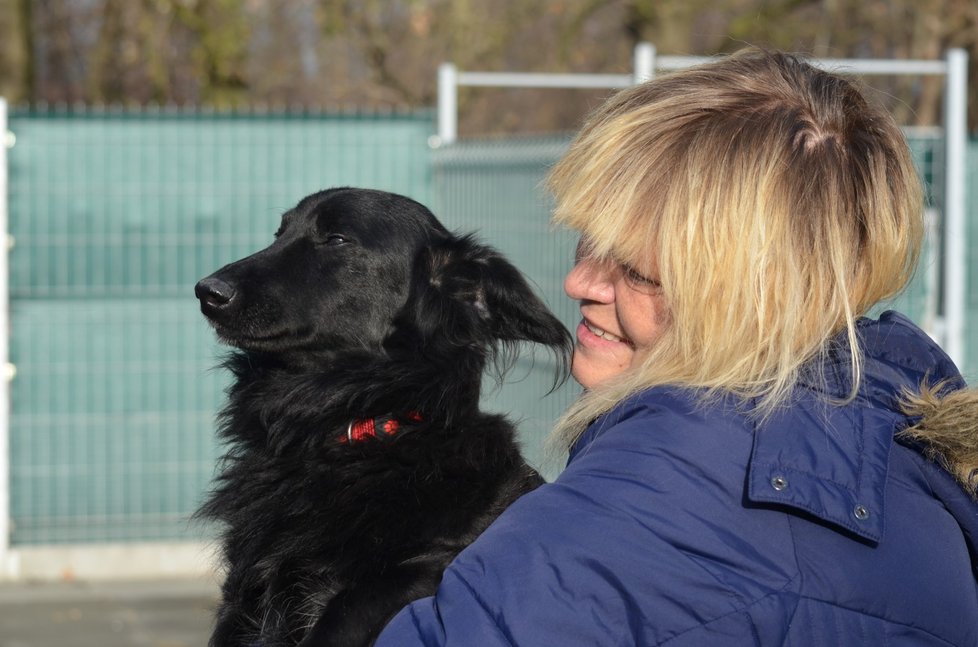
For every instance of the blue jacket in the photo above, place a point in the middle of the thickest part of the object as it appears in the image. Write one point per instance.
(681, 524)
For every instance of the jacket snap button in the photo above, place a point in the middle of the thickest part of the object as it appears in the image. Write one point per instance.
(779, 483)
(861, 513)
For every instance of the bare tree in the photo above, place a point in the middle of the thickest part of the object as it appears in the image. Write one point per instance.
(218, 31)
(16, 76)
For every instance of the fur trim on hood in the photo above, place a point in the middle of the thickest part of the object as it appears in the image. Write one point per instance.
(946, 428)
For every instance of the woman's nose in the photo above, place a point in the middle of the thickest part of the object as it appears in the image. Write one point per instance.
(590, 281)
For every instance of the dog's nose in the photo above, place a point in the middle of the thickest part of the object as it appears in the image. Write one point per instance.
(214, 293)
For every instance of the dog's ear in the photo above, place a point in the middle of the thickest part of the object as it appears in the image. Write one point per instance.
(475, 296)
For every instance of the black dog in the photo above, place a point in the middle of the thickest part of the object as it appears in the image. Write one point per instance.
(358, 462)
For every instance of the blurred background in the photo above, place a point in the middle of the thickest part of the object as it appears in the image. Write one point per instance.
(330, 55)
(149, 142)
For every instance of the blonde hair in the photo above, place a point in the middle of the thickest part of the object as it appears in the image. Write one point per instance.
(777, 203)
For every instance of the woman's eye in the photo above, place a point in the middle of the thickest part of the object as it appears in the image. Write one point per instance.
(637, 279)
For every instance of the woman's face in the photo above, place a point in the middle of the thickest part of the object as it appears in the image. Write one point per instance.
(623, 314)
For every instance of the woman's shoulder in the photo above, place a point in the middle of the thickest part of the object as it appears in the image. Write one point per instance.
(666, 449)
(670, 417)
(644, 522)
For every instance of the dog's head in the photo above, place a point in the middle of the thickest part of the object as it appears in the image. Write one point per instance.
(364, 270)
(334, 277)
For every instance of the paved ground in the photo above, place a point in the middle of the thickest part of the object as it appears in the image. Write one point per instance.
(143, 614)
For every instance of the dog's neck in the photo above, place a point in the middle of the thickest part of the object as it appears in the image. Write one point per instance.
(362, 384)
(382, 427)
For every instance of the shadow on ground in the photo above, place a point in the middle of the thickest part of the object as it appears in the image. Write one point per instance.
(131, 614)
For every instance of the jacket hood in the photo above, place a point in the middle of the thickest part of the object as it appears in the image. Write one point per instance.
(945, 428)
(909, 392)
(906, 371)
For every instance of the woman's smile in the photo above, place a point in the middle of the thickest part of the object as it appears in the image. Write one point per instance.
(602, 334)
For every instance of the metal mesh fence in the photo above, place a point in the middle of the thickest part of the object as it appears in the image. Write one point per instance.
(115, 216)
(921, 300)
(495, 187)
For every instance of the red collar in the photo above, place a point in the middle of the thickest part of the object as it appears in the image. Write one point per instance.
(381, 428)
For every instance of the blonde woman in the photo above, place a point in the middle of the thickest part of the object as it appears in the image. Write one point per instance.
(752, 461)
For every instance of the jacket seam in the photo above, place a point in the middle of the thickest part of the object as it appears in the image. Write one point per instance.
(858, 424)
(860, 612)
(485, 609)
(799, 574)
(808, 473)
(867, 614)
(734, 612)
(729, 594)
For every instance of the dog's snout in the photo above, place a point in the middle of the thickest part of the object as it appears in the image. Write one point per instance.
(214, 293)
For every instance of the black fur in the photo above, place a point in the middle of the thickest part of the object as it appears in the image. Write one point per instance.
(364, 305)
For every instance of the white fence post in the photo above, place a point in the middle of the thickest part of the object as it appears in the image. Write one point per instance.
(643, 62)
(6, 140)
(447, 103)
(955, 209)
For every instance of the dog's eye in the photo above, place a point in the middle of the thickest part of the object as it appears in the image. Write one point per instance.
(333, 240)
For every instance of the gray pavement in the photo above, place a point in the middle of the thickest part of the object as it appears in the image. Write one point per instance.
(123, 614)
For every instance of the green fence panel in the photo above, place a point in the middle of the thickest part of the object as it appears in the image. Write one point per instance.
(921, 299)
(494, 188)
(115, 216)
